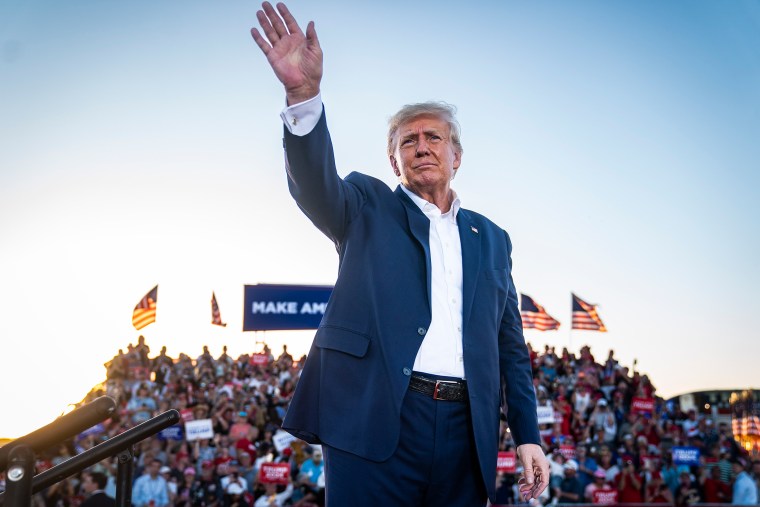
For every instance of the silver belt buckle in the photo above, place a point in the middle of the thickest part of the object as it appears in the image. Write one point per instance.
(438, 384)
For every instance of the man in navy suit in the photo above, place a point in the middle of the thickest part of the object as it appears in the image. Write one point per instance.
(421, 343)
(94, 484)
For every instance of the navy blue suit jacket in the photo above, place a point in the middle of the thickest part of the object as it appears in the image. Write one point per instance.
(357, 372)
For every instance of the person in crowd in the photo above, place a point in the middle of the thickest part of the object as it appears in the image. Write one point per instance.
(687, 492)
(234, 486)
(656, 491)
(598, 483)
(271, 498)
(171, 482)
(586, 465)
(241, 427)
(755, 473)
(629, 484)
(607, 464)
(310, 472)
(206, 490)
(744, 488)
(151, 489)
(94, 485)
(556, 471)
(713, 489)
(184, 497)
(570, 489)
(285, 359)
(141, 407)
(726, 467)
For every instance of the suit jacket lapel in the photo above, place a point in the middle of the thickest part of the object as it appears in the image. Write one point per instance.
(469, 237)
(419, 225)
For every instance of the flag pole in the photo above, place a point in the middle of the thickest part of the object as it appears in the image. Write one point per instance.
(570, 330)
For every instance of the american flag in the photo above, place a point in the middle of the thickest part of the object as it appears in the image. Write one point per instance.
(534, 316)
(216, 316)
(748, 425)
(145, 311)
(745, 421)
(585, 316)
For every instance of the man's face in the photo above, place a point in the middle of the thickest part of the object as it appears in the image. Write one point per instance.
(425, 158)
(88, 484)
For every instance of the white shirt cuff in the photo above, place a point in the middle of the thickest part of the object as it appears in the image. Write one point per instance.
(301, 118)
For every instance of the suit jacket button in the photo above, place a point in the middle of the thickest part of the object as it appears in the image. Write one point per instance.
(421, 331)
(407, 371)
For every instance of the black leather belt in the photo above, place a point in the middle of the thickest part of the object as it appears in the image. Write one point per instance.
(444, 390)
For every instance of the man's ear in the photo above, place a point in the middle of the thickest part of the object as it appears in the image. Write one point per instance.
(457, 160)
(394, 164)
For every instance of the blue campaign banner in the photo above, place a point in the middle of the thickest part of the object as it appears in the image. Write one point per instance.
(95, 430)
(171, 433)
(284, 307)
(685, 455)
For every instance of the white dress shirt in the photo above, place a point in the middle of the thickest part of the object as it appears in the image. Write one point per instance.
(441, 349)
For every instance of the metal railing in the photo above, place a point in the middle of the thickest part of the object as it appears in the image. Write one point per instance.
(19, 456)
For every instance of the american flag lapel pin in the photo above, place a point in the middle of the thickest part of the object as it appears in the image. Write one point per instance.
(474, 229)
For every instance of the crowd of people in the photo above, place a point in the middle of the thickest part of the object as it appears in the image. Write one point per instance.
(613, 440)
(608, 436)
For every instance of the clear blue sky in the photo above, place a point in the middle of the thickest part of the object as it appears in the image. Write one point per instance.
(617, 142)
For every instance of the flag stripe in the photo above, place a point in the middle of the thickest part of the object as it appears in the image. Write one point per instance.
(145, 311)
(586, 317)
(216, 315)
(534, 316)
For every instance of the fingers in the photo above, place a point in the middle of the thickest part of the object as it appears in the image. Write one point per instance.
(275, 20)
(528, 473)
(260, 41)
(269, 30)
(543, 482)
(311, 35)
(290, 21)
(277, 26)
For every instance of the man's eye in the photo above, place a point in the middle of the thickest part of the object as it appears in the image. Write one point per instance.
(406, 142)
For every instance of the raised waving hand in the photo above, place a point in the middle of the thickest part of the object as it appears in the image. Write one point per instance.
(295, 57)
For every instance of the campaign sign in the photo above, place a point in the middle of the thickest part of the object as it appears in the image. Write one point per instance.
(259, 359)
(605, 496)
(187, 414)
(282, 440)
(196, 430)
(685, 455)
(506, 462)
(277, 307)
(545, 415)
(568, 451)
(642, 405)
(274, 473)
(95, 430)
(171, 433)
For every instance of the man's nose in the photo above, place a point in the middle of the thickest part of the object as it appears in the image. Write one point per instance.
(422, 147)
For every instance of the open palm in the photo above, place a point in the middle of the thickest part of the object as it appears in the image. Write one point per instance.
(295, 57)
